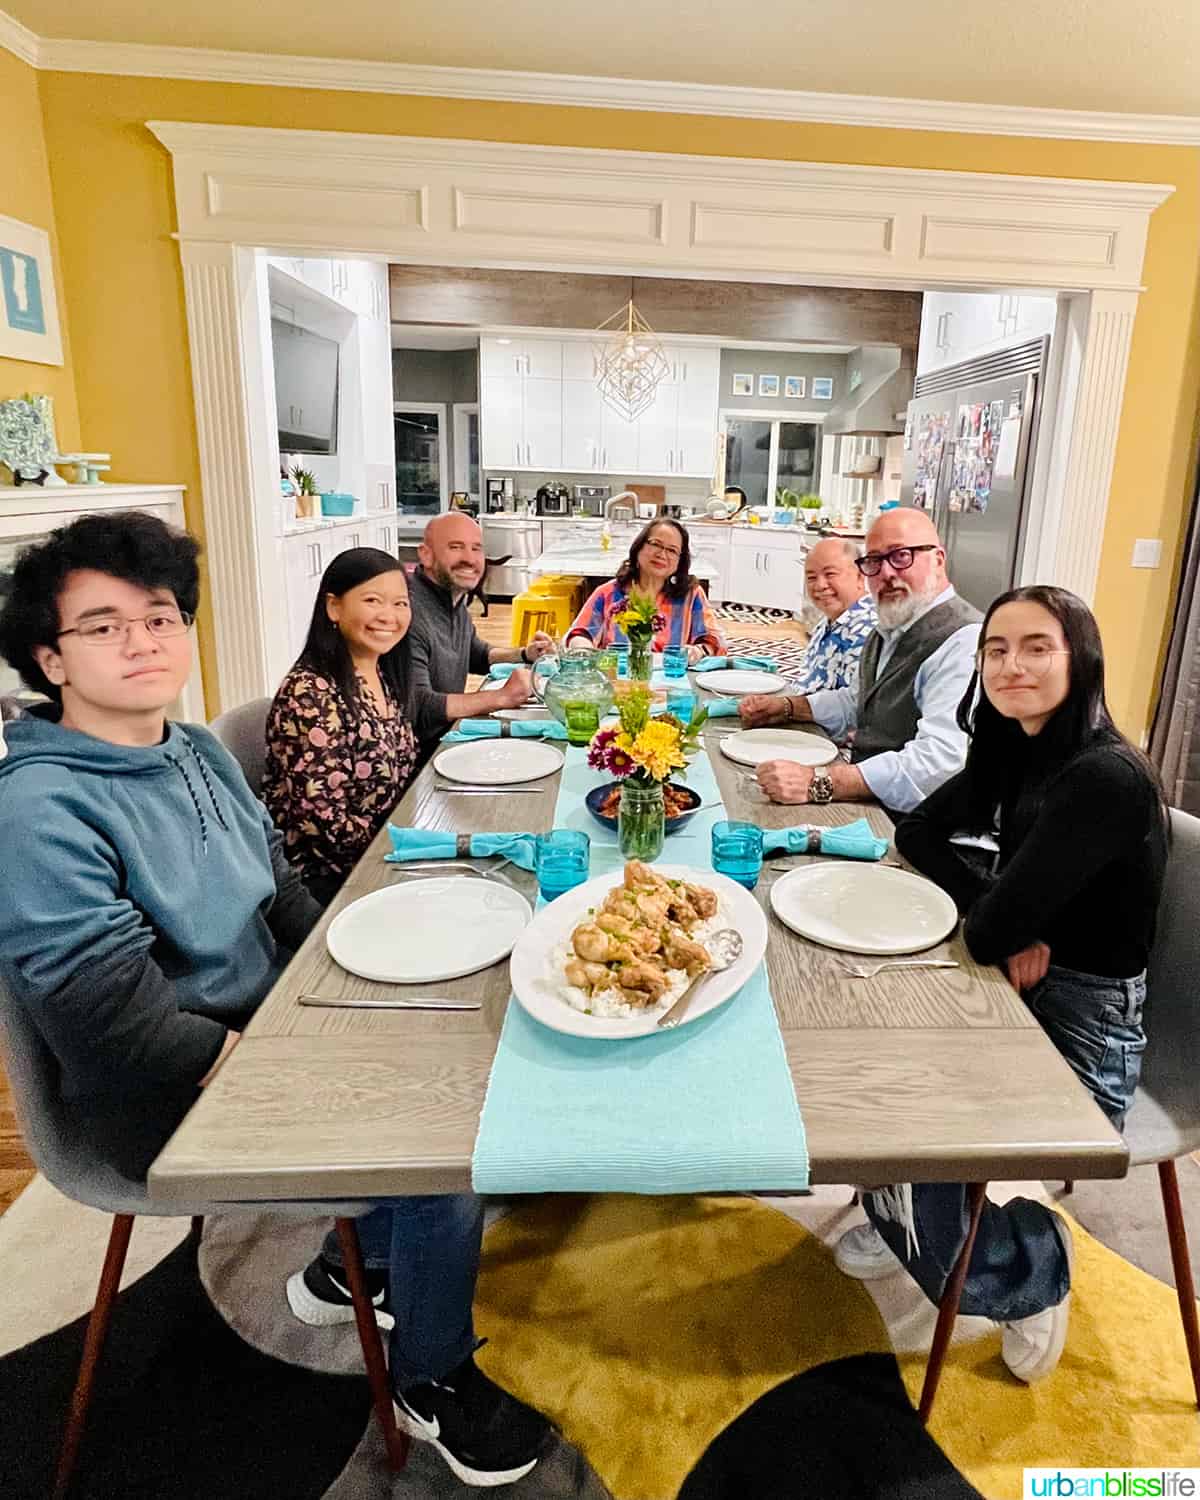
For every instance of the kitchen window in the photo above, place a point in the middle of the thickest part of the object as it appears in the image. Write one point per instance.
(765, 454)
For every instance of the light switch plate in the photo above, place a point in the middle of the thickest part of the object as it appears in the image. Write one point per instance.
(1147, 552)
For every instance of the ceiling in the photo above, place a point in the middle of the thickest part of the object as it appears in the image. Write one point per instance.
(1107, 55)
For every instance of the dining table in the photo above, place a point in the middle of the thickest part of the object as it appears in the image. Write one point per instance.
(909, 1075)
(912, 1075)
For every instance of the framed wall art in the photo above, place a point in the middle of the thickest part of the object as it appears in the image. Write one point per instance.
(768, 385)
(743, 385)
(793, 387)
(28, 307)
(822, 388)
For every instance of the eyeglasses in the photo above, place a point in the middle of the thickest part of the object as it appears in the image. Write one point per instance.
(111, 631)
(662, 547)
(899, 559)
(1033, 659)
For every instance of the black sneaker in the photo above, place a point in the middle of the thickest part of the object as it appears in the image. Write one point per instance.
(320, 1295)
(487, 1437)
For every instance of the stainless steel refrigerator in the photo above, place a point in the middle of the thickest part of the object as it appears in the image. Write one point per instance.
(969, 442)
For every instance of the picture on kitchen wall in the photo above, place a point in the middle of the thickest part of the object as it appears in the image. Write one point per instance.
(793, 387)
(743, 385)
(768, 385)
(28, 308)
(822, 388)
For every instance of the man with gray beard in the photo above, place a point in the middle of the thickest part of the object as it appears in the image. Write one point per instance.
(915, 669)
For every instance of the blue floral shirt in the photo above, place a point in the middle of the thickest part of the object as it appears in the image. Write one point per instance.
(835, 649)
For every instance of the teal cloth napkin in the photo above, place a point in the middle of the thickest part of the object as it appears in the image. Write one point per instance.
(500, 671)
(721, 708)
(520, 729)
(706, 1108)
(432, 843)
(742, 663)
(851, 841)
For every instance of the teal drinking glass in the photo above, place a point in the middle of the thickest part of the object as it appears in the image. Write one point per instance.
(675, 661)
(562, 858)
(737, 851)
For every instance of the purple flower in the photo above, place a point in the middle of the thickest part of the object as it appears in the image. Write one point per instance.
(598, 751)
(621, 763)
(658, 623)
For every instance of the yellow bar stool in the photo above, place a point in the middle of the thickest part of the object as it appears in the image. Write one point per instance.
(560, 583)
(532, 612)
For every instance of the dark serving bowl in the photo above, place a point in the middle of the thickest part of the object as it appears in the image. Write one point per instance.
(598, 793)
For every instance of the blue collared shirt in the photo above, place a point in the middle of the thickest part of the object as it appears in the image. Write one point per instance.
(902, 779)
(835, 649)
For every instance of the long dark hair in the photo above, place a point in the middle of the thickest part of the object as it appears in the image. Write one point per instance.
(1081, 720)
(324, 649)
(680, 583)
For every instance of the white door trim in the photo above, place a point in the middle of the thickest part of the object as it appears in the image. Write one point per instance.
(480, 203)
(462, 482)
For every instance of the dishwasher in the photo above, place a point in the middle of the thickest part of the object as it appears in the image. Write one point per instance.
(510, 544)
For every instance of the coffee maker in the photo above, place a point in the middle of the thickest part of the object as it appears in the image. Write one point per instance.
(552, 500)
(497, 494)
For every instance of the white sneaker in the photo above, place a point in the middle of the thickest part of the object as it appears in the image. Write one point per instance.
(862, 1253)
(1031, 1347)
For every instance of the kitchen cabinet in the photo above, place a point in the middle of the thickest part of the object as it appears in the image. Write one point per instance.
(524, 381)
(956, 326)
(306, 555)
(711, 546)
(305, 395)
(766, 570)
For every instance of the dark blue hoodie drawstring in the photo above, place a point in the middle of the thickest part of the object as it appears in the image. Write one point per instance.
(212, 796)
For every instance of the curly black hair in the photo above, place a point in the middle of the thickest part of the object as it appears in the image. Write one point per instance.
(130, 545)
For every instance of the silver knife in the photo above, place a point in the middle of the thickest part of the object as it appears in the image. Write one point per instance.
(417, 1002)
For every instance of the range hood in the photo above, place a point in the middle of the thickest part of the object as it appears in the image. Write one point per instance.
(878, 386)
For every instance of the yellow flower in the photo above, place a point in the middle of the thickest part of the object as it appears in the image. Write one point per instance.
(658, 749)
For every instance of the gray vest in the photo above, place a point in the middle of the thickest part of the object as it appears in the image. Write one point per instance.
(887, 709)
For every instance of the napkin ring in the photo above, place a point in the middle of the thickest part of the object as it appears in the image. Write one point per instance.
(462, 846)
(814, 841)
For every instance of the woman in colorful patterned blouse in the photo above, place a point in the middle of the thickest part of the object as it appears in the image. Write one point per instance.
(340, 747)
(659, 563)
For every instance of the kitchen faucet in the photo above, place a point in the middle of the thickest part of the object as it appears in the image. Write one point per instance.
(612, 500)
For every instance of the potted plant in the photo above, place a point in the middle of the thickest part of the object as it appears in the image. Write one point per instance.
(811, 506)
(641, 754)
(640, 620)
(306, 492)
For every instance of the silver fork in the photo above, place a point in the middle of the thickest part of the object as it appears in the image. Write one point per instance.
(869, 971)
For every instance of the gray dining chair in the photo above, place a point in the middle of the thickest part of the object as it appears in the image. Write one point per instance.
(243, 732)
(1164, 1122)
(64, 1156)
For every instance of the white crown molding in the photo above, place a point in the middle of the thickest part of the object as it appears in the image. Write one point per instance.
(19, 40)
(304, 147)
(656, 96)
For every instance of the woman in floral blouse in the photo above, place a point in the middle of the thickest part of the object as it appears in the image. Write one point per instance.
(340, 747)
(659, 564)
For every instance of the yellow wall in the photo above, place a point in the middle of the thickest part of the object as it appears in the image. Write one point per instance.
(125, 295)
(25, 173)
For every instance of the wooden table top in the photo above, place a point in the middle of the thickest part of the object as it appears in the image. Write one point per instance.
(926, 1075)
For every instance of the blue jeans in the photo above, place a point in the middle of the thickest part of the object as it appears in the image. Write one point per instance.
(1018, 1265)
(430, 1250)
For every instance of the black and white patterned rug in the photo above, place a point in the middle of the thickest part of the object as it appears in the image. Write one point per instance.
(751, 615)
(786, 654)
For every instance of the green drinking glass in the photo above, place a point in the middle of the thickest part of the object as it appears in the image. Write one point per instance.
(582, 720)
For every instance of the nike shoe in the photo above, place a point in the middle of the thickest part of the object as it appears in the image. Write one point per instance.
(320, 1295)
(487, 1437)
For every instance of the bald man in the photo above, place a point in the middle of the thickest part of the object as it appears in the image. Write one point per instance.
(915, 669)
(839, 591)
(443, 645)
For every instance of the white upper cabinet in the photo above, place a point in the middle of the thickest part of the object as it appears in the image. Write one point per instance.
(521, 380)
(957, 326)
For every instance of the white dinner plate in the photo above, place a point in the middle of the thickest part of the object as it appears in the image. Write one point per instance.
(864, 908)
(535, 986)
(733, 684)
(522, 713)
(421, 931)
(750, 747)
(497, 762)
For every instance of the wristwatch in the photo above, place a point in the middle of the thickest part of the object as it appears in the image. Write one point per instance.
(820, 789)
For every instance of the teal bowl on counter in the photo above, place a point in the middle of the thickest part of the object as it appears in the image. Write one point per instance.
(335, 504)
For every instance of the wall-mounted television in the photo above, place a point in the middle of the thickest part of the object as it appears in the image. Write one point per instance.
(306, 389)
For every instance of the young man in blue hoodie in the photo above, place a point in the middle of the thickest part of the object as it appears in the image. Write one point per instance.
(149, 912)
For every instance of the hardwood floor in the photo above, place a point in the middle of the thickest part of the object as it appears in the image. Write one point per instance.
(15, 1166)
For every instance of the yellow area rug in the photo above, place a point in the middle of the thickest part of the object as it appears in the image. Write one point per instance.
(645, 1326)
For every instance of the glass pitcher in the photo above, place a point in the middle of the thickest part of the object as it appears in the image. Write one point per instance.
(576, 692)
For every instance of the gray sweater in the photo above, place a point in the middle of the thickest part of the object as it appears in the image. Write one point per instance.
(443, 647)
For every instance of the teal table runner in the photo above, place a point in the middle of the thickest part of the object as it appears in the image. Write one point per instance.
(706, 1107)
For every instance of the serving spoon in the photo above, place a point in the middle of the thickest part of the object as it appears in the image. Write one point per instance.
(724, 948)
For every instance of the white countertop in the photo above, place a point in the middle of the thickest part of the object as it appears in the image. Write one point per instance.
(594, 562)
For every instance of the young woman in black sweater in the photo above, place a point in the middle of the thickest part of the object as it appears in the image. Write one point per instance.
(1066, 906)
